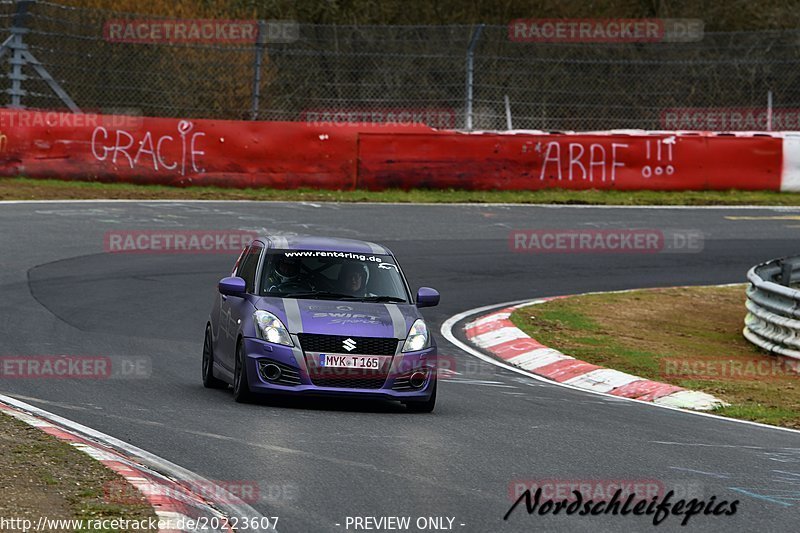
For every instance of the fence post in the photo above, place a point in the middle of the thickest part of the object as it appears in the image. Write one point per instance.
(17, 59)
(509, 126)
(261, 38)
(470, 71)
(769, 110)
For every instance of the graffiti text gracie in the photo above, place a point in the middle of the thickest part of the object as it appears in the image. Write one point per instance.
(150, 150)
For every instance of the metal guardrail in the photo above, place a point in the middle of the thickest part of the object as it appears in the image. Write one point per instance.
(773, 306)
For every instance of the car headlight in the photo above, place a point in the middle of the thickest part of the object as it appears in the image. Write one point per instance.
(271, 329)
(418, 337)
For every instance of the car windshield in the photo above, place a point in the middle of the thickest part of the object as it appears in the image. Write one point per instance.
(331, 275)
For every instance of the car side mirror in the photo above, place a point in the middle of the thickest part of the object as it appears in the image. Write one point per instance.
(233, 286)
(427, 297)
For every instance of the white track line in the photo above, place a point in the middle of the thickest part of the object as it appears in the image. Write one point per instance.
(447, 332)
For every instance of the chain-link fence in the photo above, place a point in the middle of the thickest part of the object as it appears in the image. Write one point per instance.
(386, 69)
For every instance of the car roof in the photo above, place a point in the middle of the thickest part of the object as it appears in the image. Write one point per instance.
(326, 244)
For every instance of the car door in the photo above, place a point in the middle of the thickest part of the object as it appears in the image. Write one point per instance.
(234, 308)
(217, 327)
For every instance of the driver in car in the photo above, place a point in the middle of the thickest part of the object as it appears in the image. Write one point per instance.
(287, 270)
(353, 279)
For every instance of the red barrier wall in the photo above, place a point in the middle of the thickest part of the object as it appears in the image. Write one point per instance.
(581, 161)
(181, 152)
(294, 154)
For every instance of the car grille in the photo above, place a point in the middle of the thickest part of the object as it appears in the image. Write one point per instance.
(335, 344)
(290, 376)
(347, 378)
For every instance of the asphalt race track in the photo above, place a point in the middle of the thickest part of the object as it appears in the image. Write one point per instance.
(318, 462)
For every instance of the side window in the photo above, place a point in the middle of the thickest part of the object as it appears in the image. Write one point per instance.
(248, 266)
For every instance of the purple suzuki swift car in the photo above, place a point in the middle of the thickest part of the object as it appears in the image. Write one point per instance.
(320, 316)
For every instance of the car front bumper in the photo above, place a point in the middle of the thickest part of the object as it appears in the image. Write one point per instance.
(293, 363)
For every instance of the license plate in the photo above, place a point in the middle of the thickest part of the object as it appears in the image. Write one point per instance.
(372, 362)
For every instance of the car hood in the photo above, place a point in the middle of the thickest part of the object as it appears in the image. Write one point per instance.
(362, 319)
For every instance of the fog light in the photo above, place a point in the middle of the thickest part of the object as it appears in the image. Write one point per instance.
(417, 379)
(271, 372)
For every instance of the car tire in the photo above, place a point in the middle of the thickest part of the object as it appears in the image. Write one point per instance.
(241, 386)
(424, 406)
(209, 381)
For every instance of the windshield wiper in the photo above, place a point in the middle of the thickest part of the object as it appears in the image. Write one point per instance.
(322, 295)
(383, 299)
(325, 295)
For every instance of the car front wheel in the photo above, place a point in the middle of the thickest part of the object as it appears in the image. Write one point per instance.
(424, 406)
(241, 386)
(209, 381)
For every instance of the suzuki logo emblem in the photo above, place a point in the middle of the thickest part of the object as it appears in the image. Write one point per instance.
(349, 344)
